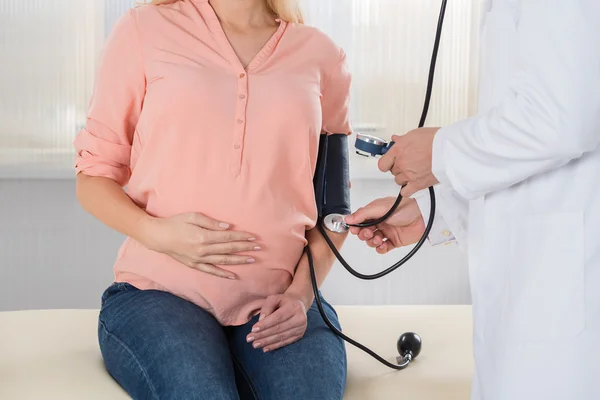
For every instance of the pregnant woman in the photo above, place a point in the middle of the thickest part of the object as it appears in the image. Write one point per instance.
(209, 114)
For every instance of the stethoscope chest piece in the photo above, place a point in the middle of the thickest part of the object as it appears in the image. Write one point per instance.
(335, 223)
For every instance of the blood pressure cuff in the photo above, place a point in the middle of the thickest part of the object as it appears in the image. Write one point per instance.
(332, 176)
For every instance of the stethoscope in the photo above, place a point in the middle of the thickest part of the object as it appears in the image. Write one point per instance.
(409, 344)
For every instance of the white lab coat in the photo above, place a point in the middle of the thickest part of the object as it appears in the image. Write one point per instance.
(526, 169)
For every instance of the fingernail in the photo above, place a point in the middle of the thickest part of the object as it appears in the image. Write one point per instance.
(369, 234)
(256, 329)
(266, 350)
(250, 339)
(251, 260)
(224, 225)
(251, 239)
(261, 317)
(233, 278)
(257, 345)
(257, 248)
(377, 241)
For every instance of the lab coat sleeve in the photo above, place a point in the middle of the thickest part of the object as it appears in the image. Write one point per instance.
(550, 114)
(451, 216)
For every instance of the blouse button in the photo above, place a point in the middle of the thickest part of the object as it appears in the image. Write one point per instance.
(237, 146)
(242, 75)
(242, 96)
(239, 121)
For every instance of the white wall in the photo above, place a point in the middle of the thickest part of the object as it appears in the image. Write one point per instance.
(54, 255)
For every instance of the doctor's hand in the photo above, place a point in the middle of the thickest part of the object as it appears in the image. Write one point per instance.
(282, 322)
(409, 160)
(405, 227)
(199, 242)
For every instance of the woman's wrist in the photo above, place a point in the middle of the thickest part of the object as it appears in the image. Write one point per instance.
(302, 292)
(146, 232)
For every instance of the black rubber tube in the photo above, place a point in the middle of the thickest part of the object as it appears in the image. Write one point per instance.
(323, 231)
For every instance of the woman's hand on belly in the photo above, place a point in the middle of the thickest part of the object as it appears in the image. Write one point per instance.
(199, 242)
(282, 322)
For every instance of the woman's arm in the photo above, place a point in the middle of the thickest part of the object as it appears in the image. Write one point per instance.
(106, 200)
(324, 259)
(104, 145)
(335, 108)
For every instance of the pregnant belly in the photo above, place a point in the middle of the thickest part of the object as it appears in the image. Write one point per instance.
(277, 216)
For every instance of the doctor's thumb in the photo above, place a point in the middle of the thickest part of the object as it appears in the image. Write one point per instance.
(364, 213)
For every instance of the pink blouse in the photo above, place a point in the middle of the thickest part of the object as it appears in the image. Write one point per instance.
(178, 121)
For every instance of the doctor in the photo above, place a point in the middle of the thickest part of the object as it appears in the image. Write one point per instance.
(519, 185)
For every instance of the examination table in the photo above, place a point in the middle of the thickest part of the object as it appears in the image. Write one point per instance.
(51, 355)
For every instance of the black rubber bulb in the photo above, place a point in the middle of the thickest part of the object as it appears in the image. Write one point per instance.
(409, 342)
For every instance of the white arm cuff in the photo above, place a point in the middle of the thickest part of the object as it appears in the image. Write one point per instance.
(440, 232)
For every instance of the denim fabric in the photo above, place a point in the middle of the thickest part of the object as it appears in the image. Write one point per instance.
(159, 346)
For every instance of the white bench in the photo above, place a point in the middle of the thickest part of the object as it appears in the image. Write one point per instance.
(54, 354)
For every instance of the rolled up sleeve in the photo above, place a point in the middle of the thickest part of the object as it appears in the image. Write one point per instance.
(103, 147)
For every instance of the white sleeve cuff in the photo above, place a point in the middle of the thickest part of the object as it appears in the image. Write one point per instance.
(441, 146)
(440, 232)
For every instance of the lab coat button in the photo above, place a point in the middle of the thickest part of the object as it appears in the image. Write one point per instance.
(446, 233)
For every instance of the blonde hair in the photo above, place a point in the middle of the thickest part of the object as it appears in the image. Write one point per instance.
(287, 10)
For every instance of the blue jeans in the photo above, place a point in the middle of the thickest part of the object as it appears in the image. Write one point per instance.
(159, 346)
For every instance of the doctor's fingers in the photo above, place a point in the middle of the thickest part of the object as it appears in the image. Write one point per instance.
(373, 238)
(366, 233)
(354, 230)
(388, 160)
(386, 247)
(412, 188)
(401, 179)
(377, 240)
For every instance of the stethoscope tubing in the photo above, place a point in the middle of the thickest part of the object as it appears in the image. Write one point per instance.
(405, 361)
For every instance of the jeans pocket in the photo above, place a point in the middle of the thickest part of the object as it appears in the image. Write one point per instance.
(547, 277)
